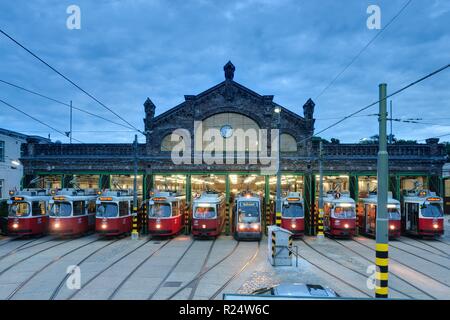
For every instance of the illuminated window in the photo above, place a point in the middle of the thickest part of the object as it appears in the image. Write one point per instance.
(287, 143)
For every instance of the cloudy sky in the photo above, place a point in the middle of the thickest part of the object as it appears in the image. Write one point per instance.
(128, 50)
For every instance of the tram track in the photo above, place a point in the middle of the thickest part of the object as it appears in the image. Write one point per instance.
(237, 273)
(201, 275)
(61, 283)
(27, 280)
(33, 255)
(22, 247)
(365, 275)
(117, 289)
(447, 256)
(429, 244)
(394, 274)
(418, 256)
(8, 240)
(408, 266)
(108, 267)
(442, 241)
(202, 269)
(170, 271)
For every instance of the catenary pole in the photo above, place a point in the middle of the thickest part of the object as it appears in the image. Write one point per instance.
(134, 231)
(381, 254)
(320, 220)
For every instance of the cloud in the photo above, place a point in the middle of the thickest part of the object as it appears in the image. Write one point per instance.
(126, 51)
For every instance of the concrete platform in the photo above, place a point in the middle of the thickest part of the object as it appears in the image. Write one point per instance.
(184, 268)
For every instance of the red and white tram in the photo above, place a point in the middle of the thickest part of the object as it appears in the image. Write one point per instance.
(113, 213)
(339, 215)
(367, 216)
(72, 212)
(208, 214)
(292, 214)
(247, 217)
(166, 213)
(28, 212)
(422, 213)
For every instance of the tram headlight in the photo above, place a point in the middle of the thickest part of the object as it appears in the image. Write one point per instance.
(15, 225)
(56, 225)
(241, 226)
(158, 226)
(293, 226)
(203, 226)
(392, 227)
(255, 226)
(346, 226)
(435, 226)
(104, 226)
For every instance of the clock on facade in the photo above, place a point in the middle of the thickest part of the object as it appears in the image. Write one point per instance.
(226, 131)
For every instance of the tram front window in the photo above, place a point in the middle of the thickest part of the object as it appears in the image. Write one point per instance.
(205, 213)
(160, 210)
(432, 210)
(107, 210)
(61, 209)
(248, 212)
(394, 213)
(293, 210)
(344, 213)
(19, 209)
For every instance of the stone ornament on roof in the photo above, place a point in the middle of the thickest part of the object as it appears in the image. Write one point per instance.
(229, 70)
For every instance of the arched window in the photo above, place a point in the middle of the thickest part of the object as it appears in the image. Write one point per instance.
(287, 143)
(167, 144)
(230, 127)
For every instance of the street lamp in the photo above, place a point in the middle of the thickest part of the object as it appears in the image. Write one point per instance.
(277, 110)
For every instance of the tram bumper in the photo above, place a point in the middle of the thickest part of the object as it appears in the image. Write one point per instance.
(342, 232)
(205, 232)
(249, 235)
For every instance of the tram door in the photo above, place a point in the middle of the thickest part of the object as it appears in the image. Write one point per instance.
(366, 220)
(411, 216)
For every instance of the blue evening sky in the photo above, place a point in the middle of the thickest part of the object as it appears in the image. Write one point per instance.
(127, 51)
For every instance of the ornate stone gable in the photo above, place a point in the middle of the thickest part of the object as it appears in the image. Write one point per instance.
(226, 97)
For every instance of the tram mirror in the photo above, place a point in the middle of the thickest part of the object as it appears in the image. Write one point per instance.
(151, 202)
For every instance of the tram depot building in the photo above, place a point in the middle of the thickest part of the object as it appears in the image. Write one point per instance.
(228, 107)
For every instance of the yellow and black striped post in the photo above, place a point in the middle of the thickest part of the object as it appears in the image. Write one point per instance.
(227, 218)
(268, 217)
(381, 275)
(382, 221)
(320, 223)
(186, 219)
(274, 246)
(278, 218)
(134, 224)
(144, 226)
